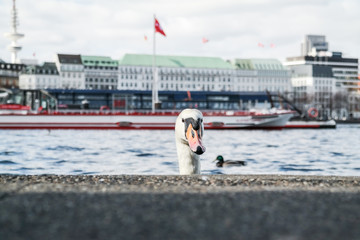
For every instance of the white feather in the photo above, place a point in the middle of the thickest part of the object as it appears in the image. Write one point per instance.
(189, 162)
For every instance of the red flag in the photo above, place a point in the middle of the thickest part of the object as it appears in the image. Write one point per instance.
(158, 28)
(205, 40)
(260, 45)
(145, 37)
(272, 45)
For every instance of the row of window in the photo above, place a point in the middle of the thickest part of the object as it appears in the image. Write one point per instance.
(69, 75)
(103, 87)
(100, 68)
(95, 80)
(8, 73)
(345, 72)
(194, 86)
(212, 79)
(102, 62)
(43, 80)
(10, 66)
(323, 82)
(42, 71)
(274, 73)
(323, 88)
(77, 67)
(176, 71)
(316, 82)
(202, 73)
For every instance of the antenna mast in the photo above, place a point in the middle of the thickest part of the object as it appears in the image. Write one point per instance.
(14, 48)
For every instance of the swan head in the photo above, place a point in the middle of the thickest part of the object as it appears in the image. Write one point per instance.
(189, 130)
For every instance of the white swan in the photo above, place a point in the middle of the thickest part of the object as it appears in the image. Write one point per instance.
(189, 130)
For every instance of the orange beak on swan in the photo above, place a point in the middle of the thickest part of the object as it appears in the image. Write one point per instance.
(193, 133)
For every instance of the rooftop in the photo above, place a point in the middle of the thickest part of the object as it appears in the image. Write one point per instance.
(69, 59)
(258, 64)
(175, 61)
(99, 61)
(334, 58)
(48, 68)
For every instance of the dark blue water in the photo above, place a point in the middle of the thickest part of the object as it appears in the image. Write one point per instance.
(310, 152)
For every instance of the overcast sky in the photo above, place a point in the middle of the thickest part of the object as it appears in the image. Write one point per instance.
(234, 28)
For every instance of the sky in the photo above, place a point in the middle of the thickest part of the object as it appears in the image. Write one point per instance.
(234, 28)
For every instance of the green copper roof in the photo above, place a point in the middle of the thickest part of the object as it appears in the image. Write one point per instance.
(98, 61)
(258, 64)
(175, 61)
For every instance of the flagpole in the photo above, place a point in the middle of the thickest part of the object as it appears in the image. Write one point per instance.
(154, 87)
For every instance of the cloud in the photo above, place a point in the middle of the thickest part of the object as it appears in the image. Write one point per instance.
(234, 28)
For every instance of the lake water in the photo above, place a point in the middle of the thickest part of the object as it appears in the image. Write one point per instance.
(301, 151)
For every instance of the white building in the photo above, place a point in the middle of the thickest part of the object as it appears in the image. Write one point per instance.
(320, 78)
(183, 73)
(100, 72)
(175, 73)
(71, 71)
(39, 77)
(9, 74)
(266, 75)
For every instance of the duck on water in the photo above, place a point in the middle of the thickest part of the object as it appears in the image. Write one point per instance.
(229, 163)
(189, 131)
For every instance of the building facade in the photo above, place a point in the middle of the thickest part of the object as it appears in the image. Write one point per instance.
(40, 76)
(175, 73)
(183, 73)
(266, 75)
(9, 74)
(313, 44)
(325, 80)
(100, 72)
(71, 71)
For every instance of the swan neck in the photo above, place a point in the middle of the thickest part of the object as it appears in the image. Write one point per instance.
(189, 162)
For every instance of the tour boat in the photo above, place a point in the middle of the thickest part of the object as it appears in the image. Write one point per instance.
(13, 116)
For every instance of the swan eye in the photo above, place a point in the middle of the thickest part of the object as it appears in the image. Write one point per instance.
(183, 120)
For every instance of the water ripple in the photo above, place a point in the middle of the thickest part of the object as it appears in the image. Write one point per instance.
(145, 154)
(7, 162)
(60, 162)
(168, 163)
(9, 153)
(64, 148)
(299, 169)
(312, 152)
(337, 153)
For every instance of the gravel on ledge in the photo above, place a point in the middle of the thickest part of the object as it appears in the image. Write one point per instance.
(179, 207)
(177, 183)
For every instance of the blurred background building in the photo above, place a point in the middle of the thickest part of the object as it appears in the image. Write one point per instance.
(325, 80)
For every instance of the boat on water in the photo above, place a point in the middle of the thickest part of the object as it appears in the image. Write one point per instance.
(15, 116)
(303, 120)
(311, 124)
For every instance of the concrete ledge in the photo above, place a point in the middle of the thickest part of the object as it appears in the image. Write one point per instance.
(179, 207)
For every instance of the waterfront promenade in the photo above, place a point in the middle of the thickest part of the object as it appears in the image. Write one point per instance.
(179, 207)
